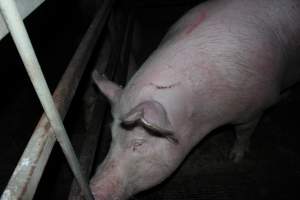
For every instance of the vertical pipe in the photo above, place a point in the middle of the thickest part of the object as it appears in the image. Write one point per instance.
(20, 36)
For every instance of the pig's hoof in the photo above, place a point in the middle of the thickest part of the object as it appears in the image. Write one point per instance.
(238, 152)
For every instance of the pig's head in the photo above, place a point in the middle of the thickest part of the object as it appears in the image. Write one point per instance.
(143, 151)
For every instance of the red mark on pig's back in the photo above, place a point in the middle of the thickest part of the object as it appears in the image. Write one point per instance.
(194, 24)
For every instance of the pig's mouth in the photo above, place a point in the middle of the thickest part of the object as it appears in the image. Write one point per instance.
(107, 184)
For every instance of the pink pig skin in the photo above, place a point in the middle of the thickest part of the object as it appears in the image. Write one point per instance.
(224, 62)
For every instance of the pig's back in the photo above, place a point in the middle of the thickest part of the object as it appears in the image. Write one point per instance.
(220, 64)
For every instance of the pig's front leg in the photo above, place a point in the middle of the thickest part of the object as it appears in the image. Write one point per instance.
(243, 133)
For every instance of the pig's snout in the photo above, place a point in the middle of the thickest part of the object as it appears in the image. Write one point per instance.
(107, 183)
(106, 191)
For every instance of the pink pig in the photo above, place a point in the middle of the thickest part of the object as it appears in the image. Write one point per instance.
(224, 62)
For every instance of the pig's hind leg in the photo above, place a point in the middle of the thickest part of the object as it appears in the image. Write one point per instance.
(243, 134)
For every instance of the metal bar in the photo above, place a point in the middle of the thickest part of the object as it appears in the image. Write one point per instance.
(120, 44)
(126, 48)
(27, 174)
(94, 124)
(25, 7)
(20, 36)
(117, 27)
(117, 33)
(123, 40)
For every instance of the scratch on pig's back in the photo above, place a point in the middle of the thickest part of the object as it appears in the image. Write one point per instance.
(165, 86)
(199, 19)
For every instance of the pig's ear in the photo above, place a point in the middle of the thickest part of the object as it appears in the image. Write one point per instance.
(111, 90)
(153, 117)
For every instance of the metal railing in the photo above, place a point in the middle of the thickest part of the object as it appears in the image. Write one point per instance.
(27, 174)
(113, 60)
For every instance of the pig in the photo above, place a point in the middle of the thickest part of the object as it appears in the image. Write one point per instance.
(224, 62)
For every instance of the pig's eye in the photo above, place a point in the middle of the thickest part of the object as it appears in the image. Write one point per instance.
(167, 135)
(127, 127)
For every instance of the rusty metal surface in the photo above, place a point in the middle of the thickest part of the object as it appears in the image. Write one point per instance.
(24, 181)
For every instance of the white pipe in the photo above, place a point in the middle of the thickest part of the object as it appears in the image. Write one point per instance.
(25, 8)
(20, 36)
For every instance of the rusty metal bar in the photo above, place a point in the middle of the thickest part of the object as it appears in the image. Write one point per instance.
(120, 44)
(27, 174)
(22, 41)
(126, 49)
(93, 125)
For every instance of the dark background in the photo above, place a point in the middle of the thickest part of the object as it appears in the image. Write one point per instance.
(270, 171)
